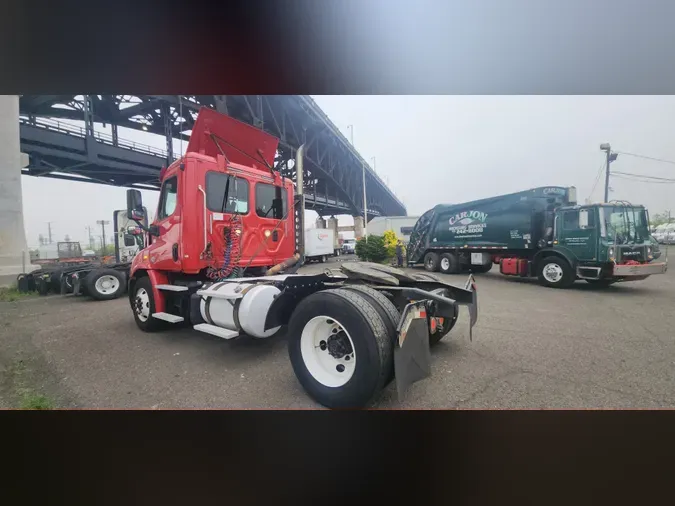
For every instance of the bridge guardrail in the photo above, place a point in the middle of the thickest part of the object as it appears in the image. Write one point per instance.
(104, 138)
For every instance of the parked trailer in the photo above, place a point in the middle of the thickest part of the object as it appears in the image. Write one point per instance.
(350, 331)
(319, 244)
(540, 232)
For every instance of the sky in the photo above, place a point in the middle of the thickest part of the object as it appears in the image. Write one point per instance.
(442, 149)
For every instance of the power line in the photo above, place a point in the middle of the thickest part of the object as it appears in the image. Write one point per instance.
(646, 157)
(671, 180)
(597, 179)
(637, 180)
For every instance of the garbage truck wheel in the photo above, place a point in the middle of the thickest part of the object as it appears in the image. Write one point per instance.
(340, 348)
(431, 261)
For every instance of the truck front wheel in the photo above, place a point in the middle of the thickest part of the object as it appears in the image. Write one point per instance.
(340, 349)
(555, 272)
(143, 306)
(431, 261)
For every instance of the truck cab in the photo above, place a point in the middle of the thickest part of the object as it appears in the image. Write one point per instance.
(222, 210)
(607, 240)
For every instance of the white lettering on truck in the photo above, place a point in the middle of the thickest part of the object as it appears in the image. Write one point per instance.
(468, 222)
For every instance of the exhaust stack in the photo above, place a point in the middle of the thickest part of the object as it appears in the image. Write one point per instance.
(300, 204)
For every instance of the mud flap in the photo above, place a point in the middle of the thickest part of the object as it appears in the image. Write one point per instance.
(473, 305)
(412, 355)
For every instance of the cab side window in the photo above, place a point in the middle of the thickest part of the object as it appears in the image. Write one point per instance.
(270, 201)
(226, 194)
(570, 220)
(168, 198)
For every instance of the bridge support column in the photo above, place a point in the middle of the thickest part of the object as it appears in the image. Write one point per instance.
(13, 249)
(320, 222)
(358, 227)
(333, 225)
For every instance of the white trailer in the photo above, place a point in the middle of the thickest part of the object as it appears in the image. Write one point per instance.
(319, 244)
(401, 225)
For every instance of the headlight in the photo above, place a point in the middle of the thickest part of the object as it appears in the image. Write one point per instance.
(649, 250)
(610, 251)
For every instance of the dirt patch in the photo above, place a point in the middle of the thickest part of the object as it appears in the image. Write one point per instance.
(27, 380)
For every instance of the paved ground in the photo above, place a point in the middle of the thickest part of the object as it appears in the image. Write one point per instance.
(533, 348)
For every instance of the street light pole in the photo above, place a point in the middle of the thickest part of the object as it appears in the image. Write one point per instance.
(363, 171)
(610, 158)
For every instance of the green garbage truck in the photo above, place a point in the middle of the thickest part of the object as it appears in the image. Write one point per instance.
(542, 233)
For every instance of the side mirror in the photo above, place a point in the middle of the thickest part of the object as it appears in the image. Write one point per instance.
(135, 208)
(583, 218)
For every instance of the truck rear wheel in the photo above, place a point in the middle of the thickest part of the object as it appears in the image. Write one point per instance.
(340, 348)
(385, 308)
(431, 261)
(449, 264)
(555, 272)
(143, 306)
(105, 284)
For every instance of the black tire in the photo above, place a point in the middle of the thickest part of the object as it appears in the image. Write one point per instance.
(564, 281)
(101, 293)
(42, 285)
(431, 261)
(55, 281)
(373, 348)
(322, 259)
(448, 264)
(385, 308)
(150, 324)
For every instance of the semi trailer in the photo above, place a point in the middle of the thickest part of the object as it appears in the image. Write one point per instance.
(223, 255)
(541, 232)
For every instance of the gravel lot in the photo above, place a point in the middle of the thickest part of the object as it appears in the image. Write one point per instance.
(533, 347)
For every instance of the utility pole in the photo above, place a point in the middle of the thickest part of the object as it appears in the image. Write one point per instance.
(91, 239)
(103, 223)
(610, 158)
(49, 229)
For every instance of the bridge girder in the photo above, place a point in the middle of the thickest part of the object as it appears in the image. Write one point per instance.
(333, 167)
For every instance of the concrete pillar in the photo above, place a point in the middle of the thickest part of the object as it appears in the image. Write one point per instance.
(358, 227)
(333, 224)
(13, 248)
(320, 222)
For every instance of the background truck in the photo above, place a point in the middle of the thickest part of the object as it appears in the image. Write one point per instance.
(319, 244)
(401, 225)
(99, 278)
(223, 253)
(540, 232)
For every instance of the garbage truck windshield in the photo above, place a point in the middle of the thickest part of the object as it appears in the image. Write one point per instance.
(626, 224)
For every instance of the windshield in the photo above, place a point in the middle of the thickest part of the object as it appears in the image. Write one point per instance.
(626, 224)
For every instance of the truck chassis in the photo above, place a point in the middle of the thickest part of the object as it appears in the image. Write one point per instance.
(98, 281)
(350, 331)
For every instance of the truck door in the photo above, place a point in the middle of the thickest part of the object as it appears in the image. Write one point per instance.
(271, 206)
(165, 250)
(578, 231)
(128, 236)
(227, 201)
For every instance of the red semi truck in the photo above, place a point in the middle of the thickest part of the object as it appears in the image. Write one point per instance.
(222, 256)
